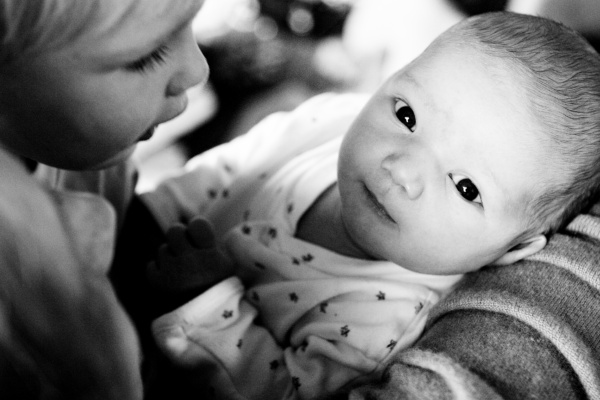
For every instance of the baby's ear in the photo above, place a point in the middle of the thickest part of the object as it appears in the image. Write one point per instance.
(524, 249)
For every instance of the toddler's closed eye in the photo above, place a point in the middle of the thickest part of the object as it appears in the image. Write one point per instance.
(155, 57)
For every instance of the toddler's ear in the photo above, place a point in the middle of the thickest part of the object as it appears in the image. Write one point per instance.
(524, 249)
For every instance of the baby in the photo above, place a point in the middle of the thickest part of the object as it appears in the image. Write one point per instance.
(349, 218)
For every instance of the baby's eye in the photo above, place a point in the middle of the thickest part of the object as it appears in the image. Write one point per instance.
(467, 189)
(405, 115)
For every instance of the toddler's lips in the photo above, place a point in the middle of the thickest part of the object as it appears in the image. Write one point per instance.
(148, 134)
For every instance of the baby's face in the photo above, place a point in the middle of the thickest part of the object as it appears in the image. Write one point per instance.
(94, 99)
(436, 171)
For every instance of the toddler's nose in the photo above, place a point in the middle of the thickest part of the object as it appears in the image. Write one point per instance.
(194, 71)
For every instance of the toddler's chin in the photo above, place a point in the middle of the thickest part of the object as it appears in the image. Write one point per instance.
(148, 134)
(115, 159)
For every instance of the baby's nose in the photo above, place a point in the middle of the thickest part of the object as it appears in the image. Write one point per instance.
(405, 173)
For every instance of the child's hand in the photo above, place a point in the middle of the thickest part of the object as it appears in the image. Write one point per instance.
(189, 262)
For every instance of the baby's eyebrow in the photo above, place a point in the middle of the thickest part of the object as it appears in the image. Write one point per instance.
(491, 187)
(409, 78)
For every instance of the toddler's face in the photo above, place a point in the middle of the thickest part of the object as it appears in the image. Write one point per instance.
(436, 171)
(94, 99)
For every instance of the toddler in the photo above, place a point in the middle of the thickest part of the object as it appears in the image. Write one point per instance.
(82, 83)
(349, 218)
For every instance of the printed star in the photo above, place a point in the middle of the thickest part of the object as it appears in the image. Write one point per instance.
(296, 382)
(418, 307)
(273, 233)
(246, 229)
(294, 297)
(344, 331)
(212, 193)
(225, 193)
(307, 257)
(323, 307)
(259, 265)
(227, 314)
(290, 208)
(391, 345)
(274, 364)
(255, 296)
(380, 295)
(239, 344)
(295, 261)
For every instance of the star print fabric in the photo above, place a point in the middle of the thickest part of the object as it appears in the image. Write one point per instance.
(310, 327)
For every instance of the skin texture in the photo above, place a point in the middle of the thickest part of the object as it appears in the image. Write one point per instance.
(404, 188)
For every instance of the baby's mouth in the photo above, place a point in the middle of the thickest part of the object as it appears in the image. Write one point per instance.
(377, 206)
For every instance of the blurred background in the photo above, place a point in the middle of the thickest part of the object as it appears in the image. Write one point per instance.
(271, 55)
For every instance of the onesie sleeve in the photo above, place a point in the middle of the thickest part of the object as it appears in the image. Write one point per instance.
(215, 336)
(271, 143)
(205, 177)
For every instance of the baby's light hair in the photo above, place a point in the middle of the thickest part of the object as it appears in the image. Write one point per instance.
(561, 75)
(28, 27)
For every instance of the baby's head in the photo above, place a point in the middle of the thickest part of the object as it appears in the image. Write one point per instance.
(560, 74)
(478, 150)
(84, 81)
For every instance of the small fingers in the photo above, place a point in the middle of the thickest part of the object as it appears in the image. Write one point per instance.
(165, 258)
(177, 240)
(201, 233)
